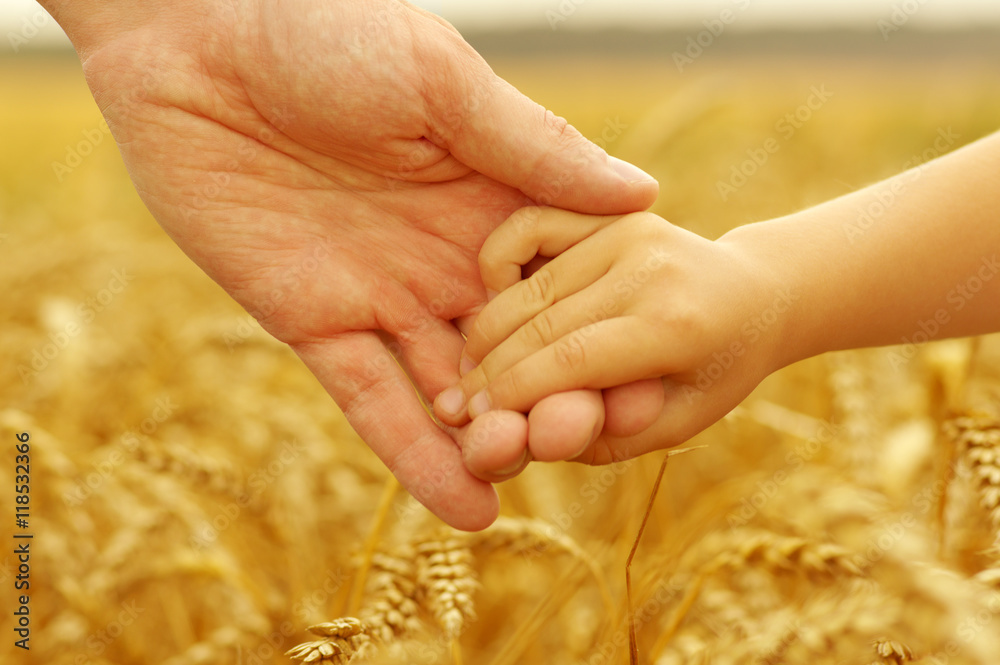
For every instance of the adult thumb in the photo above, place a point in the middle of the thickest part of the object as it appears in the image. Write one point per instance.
(488, 125)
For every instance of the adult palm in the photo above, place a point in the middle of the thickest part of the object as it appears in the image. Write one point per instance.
(336, 166)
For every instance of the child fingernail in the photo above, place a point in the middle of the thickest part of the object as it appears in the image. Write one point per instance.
(466, 365)
(479, 404)
(451, 401)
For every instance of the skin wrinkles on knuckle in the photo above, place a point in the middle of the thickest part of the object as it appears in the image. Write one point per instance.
(560, 136)
(510, 390)
(538, 332)
(556, 125)
(539, 290)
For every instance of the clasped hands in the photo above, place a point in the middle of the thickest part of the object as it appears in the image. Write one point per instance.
(583, 303)
(367, 141)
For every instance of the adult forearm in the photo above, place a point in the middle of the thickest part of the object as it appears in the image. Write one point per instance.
(911, 259)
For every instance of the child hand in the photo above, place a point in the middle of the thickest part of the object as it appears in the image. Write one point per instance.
(625, 298)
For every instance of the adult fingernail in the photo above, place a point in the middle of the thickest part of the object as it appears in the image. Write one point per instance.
(515, 467)
(479, 404)
(451, 401)
(466, 365)
(630, 172)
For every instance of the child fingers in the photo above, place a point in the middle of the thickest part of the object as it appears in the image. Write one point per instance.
(565, 317)
(528, 232)
(551, 284)
(574, 313)
(607, 353)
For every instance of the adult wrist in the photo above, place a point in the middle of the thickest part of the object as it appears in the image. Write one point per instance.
(91, 24)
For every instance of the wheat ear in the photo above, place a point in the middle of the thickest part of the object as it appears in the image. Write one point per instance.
(891, 652)
(447, 581)
(749, 547)
(391, 612)
(534, 537)
(978, 440)
(337, 647)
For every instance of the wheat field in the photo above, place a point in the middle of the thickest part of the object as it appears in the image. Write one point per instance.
(197, 498)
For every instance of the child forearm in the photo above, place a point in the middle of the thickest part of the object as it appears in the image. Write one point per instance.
(911, 259)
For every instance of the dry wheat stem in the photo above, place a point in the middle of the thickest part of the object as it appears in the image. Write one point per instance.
(632, 646)
(371, 543)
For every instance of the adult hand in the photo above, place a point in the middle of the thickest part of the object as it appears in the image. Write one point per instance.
(336, 166)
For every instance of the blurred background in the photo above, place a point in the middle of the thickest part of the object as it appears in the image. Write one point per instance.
(199, 499)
